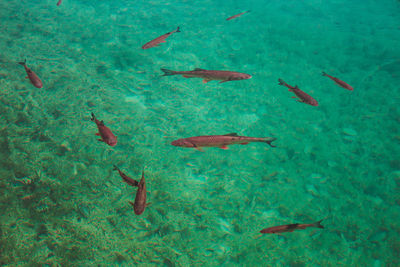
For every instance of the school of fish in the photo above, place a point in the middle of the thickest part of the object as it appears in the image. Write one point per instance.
(198, 142)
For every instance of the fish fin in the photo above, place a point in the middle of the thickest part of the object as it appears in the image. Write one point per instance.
(187, 76)
(178, 29)
(198, 69)
(102, 123)
(23, 63)
(224, 81)
(133, 204)
(223, 147)
(293, 96)
(292, 226)
(206, 80)
(100, 140)
(26, 77)
(98, 134)
(163, 41)
(231, 134)
(245, 143)
(318, 224)
(168, 72)
(269, 141)
(199, 149)
(148, 204)
(93, 117)
(115, 168)
(324, 74)
(301, 101)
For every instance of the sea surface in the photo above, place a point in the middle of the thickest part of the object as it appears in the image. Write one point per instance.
(61, 203)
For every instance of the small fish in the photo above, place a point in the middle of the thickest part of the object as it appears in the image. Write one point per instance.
(221, 141)
(59, 2)
(303, 97)
(290, 228)
(141, 195)
(209, 75)
(238, 15)
(338, 82)
(32, 76)
(158, 40)
(126, 179)
(104, 132)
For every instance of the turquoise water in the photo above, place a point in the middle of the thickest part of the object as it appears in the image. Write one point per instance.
(62, 205)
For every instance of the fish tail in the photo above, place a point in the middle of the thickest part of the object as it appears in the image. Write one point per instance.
(324, 73)
(23, 63)
(93, 117)
(115, 168)
(168, 72)
(281, 82)
(318, 224)
(178, 29)
(269, 140)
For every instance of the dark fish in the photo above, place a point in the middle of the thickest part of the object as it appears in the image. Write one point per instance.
(221, 141)
(141, 195)
(59, 2)
(290, 227)
(126, 178)
(209, 75)
(238, 15)
(338, 82)
(158, 40)
(32, 76)
(303, 97)
(104, 132)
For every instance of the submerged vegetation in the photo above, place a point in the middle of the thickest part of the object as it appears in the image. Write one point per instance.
(62, 204)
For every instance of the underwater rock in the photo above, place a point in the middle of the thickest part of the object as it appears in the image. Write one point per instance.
(349, 132)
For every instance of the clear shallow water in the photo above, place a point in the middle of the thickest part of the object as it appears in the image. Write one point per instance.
(61, 203)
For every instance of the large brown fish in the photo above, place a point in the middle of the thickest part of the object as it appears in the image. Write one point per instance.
(303, 97)
(158, 40)
(104, 132)
(141, 195)
(338, 82)
(290, 227)
(125, 177)
(221, 141)
(238, 15)
(209, 75)
(32, 76)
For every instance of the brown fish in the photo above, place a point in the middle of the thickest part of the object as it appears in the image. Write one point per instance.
(32, 76)
(338, 82)
(59, 2)
(290, 227)
(238, 15)
(125, 177)
(140, 200)
(209, 75)
(303, 97)
(104, 132)
(221, 141)
(158, 40)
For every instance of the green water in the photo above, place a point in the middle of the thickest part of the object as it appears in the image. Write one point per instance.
(62, 205)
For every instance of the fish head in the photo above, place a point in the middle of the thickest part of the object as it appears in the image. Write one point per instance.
(182, 143)
(111, 141)
(241, 76)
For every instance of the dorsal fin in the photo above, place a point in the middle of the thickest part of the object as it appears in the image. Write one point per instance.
(198, 69)
(231, 134)
(292, 226)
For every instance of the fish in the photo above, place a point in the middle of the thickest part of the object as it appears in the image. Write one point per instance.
(59, 2)
(238, 15)
(104, 132)
(125, 177)
(209, 75)
(35, 80)
(338, 82)
(303, 97)
(158, 40)
(221, 141)
(141, 195)
(290, 227)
